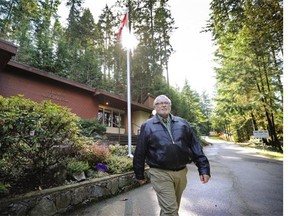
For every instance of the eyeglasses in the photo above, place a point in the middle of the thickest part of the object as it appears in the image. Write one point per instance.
(163, 103)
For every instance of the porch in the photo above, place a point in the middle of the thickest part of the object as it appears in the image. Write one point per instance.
(122, 138)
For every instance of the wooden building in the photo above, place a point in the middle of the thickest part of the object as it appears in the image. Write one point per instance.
(86, 102)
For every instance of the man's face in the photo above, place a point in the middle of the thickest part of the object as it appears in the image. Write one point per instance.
(163, 107)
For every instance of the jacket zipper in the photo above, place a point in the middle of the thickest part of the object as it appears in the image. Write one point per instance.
(169, 132)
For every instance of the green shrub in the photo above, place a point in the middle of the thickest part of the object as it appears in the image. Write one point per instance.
(76, 166)
(38, 142)
(91, 128)
(32, 139)
(119, 164)
(120, 150)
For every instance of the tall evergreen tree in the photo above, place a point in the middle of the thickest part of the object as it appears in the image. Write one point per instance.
(250, 58)
(43, 54)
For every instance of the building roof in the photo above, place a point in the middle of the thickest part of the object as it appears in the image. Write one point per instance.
(8, 50)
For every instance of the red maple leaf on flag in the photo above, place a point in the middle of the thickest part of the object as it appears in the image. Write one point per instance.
(123, 24)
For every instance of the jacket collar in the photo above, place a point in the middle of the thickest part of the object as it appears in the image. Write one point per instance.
(157, 120)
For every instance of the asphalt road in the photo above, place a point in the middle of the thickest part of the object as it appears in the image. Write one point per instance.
(242, 183)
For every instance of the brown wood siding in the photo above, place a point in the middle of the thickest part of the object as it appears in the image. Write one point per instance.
(79, 101)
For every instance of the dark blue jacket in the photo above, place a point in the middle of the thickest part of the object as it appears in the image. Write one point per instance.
(163, 150)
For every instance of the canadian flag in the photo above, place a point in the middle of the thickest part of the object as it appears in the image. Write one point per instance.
(123, 24)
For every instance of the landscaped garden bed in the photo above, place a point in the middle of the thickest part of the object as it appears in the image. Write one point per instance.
(44, 146)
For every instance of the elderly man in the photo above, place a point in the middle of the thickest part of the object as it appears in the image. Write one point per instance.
(167, 144)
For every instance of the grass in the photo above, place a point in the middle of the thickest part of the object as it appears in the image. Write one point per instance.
(215, 138)
(267, 151)
(273, 155)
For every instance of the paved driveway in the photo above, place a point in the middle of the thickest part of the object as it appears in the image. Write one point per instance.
(242, 183)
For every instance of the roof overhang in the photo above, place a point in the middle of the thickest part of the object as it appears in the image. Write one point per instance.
(108, 99)
(7, 50)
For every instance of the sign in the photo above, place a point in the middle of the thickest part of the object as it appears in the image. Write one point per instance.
(261, 134)
(212, 133)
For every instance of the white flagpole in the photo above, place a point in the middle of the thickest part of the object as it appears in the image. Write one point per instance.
(128, 93)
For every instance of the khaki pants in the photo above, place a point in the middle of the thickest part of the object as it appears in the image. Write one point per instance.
(169, 186)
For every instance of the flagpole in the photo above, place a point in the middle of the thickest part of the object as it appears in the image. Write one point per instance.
(128, 94)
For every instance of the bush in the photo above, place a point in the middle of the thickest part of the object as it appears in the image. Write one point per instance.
(119, 164)
(38, 142)
(95, 154)
(32, 139)
(120, 150)
(76, 166)
(91, 128)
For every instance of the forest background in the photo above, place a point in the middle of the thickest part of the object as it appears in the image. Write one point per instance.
(248, 36)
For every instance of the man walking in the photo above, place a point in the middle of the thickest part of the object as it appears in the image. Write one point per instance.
(167, 144)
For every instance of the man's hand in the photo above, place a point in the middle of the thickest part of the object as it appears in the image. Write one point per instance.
(141, 181)
(204, 178)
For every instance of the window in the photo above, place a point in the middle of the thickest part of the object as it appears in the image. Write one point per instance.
(100, 115)
(110, 117)
(107, 117)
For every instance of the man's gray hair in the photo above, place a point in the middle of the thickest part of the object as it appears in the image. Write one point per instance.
(159, 98)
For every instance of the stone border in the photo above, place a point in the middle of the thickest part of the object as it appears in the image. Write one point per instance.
(58, 200)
